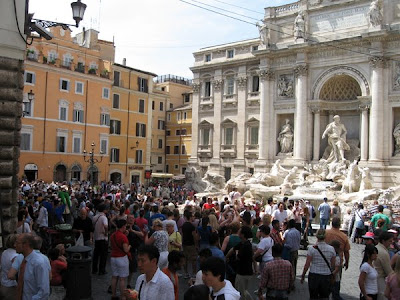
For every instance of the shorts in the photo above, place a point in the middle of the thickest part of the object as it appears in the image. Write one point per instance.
(190, 252)
(120, 266)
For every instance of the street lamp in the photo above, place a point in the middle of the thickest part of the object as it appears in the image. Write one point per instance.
(137, 145)
(40, 26)
(25, 110)
(92, 162)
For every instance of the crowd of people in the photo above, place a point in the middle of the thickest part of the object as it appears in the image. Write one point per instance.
(217, 244)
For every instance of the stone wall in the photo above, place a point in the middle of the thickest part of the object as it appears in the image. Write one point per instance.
(11, 95)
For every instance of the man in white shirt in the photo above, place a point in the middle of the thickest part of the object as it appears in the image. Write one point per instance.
(152, 284)
(100, 225)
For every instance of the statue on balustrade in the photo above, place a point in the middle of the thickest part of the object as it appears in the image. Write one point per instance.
(396, 135)
(299, 26)
(285, 137)
(374, 14)
(264, 32)
(336, 132)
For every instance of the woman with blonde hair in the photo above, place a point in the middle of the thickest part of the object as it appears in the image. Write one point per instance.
(392, 291)
(335, 210)
(212, 221)
(160, 239)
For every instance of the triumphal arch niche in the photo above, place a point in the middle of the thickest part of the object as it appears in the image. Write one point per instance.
(313, 60)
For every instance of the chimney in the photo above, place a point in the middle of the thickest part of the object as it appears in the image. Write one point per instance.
(124, 61)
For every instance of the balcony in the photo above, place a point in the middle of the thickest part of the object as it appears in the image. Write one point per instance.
(228, 151)
(66, 65)
(229, 101)
(92, 71)
(105, 74)
(204, 150)
(251, 151)
(80, 68)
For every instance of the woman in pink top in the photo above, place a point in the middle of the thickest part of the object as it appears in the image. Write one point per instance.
(392, 291)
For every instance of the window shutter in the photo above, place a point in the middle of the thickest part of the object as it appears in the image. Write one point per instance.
(146, 88)
(118, 127)
(117, 155)
(137, 129)
(138, 83)
(144, 130)
(112, 125)
(60, 84)
(107, 119)
(74, 119)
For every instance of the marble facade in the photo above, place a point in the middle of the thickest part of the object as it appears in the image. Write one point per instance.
(343, 63)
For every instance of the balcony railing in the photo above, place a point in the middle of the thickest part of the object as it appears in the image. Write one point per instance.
(173, 78)
(228, 150)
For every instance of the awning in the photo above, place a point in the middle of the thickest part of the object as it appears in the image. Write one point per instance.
(162, 175)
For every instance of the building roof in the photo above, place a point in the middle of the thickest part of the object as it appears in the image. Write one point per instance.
(182, 107)
(136, 70)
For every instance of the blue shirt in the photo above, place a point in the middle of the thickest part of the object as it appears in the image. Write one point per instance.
(36, 278)
(216, 252)
(324, 211)
(292, 239)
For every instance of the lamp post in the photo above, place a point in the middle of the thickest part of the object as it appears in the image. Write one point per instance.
(31, 97)
(137, 145)
(92, 161)
(39, 26)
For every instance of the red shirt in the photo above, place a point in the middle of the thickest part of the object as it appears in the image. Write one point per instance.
(174, 280)
(140, 222)
(208, 206)
(117, 239)
(57, 266)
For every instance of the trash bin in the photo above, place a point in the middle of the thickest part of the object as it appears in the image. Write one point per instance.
(79, 279)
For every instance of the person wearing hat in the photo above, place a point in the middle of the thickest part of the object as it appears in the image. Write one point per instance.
(382, 262)
(369, 238)
(319, 278)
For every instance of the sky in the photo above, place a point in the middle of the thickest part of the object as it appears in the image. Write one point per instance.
(160, 36)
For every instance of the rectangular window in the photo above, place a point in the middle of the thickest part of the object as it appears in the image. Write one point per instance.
(141, 105)
(169, 117)
(168, 132)
(64, 85)
(167, 168)
(115, 101)
(161, 124)
(25, 141)
(178, 132)
(230, 85)
(255, 48)
(185, 115)
(253, 135)
(161, 106)
(167, 150)
(183, 131)
(63, 113)
(139, 156)
(30, 77)
(160, 143)
(207, 89)
(77, 145)
(207, 57)
(230, 53)
(103, 146)
(178, 116)
(115, 127)
(105, 119)
(153, 104)
(229, 136)
(176, 167)
(140, 130)
(187, 98)
(171, 106)
(79, 88)
(183, 149)
(255, 87)
(78, 116)
(116, 78)
(106, 93)
(142, 84)
(206, 136)
(160, 159)
(114, 157)
(61, 144)
(176, 149)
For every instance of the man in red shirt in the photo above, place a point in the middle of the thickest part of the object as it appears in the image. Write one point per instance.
(209, 204)
(275, 234)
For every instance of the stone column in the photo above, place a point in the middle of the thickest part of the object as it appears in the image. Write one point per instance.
(317, 133)
(241, 83)
(376, 133)
(217, 87)
(364, 132)
(300, 123)
(266, 75)
(195, 124)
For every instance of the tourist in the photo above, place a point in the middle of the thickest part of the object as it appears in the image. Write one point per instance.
(58, 267)
(204, 232)
(244, 256)
(297, 214)
(232, 239)
(392, 291)
(277, 276)
(291, 239)
(380, 215)
(197, 292)
(313, 214)
(8, 287)
(336, 273)
(22, 225)
(214, 277)
(264, 247)
(275, 233)
(203, 256)
(100, 225)
(280, 214)
(335, 210)
(305, 223)
(369, 238)
(214, 246)
(382, 262)
(359, 223)
(83, 225)
(175, 238)
(189, 243)
(346, 222)
(269, 208)
(367, 280)
(335, 234)
(120, 250)
(324, 213)
(152, 284)
(159, 238)
(33, 273)
(320, 259)
(135, 237)
(175, 263)
(141, 222)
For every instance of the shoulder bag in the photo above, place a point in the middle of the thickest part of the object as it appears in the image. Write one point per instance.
(333, 277)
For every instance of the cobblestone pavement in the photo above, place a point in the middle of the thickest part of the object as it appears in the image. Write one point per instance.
(349, 284)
